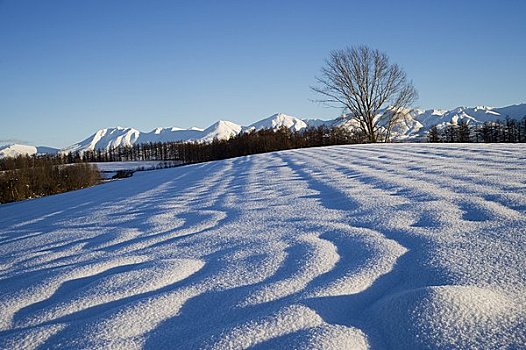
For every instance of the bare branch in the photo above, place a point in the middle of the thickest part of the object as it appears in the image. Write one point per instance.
(365, 82)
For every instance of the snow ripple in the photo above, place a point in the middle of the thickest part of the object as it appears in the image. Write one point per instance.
(394, 246)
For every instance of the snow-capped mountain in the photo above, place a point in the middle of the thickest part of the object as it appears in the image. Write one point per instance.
(14, 150)
(418, 122)
(221, 130)
(105, 139)
(277, 121)
(114, 137)
(170, 135)
(413, 127)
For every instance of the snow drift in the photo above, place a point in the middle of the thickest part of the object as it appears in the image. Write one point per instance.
(394, 246)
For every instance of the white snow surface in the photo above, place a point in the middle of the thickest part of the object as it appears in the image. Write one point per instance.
(385, 246)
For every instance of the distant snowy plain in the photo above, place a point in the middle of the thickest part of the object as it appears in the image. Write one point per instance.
(396, 246)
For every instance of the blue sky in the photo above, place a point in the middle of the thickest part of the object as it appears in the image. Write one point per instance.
(69, 68)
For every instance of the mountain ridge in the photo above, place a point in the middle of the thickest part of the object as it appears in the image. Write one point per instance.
(413, 127)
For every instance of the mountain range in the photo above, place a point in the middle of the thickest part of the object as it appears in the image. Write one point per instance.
(413, 128)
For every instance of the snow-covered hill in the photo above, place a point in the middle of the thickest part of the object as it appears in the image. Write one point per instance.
(15, 150)
(385, 246)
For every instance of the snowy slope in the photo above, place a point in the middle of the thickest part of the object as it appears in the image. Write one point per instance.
(395, 246)
(15, 150)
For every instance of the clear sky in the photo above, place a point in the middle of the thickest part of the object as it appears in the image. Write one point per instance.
(69, 68)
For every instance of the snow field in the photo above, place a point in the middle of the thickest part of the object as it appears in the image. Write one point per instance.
(396, 246)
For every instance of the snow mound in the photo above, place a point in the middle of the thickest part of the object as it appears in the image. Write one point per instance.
(460, 316)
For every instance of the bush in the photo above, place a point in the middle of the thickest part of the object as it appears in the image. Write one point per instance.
(122, 174)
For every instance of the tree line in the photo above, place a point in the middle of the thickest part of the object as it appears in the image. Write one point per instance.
(265, 140)
(34, 176)
(509, 130)
(26, 177)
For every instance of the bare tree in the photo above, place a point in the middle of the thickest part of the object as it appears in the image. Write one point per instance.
(365, 82)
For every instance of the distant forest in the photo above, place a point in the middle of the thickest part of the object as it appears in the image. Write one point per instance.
(31, 177)
(509, 130)
(36, 176)
(266, 140)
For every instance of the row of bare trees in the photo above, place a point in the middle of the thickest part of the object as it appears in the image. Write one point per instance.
(509, 130)
(266, 140)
